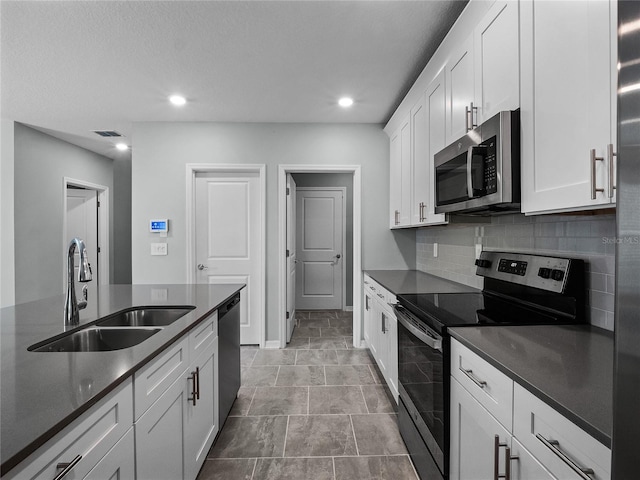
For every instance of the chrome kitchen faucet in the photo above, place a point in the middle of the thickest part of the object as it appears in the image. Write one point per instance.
(71, 305)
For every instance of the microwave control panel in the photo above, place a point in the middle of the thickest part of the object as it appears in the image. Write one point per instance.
(490, 176)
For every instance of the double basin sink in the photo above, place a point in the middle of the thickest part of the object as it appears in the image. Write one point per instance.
(114, 332)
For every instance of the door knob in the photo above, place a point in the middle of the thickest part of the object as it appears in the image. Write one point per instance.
(202, 267)
(338, 256)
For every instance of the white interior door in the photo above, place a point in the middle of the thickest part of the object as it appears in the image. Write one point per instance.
(291, 254)
(228, 238)
(82, 222)
(320, 240)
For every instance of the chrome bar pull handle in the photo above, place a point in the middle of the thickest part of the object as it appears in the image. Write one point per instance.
(193, 398)
(467, 112)
(594, 159)
(554, 446)
(507, 463)
(66, 467)
(610, 155)
(472, 124)
(384, 323)
(198, 383)
(497, 444)
(474, 379)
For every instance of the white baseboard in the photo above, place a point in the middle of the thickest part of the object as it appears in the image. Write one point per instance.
(272, 344)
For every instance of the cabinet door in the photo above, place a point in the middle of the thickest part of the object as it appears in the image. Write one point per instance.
(201, 419)
(420, 160)
(526, 467)
(497, 60)
(392, 353)
(400, 175)
(460, 90)
(566, 111)
(118, 463)
(473, 432)
(368, 310)
(160, 434)
(435, 105)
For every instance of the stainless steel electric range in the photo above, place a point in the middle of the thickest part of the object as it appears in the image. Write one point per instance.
(519, 289)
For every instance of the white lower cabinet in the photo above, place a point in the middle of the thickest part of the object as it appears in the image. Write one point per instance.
(119, 463)
(473, 434)
(381, 331)
(83, 444)
(498, 431)
(174, 435)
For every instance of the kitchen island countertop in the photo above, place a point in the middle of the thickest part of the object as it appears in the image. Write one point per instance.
(42, 392)
(569, 367)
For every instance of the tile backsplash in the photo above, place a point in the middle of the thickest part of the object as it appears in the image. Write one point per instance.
(589, 237)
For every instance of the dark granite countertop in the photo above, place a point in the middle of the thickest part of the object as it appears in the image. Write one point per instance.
(415, 281)
(568, 367)
(42, 392)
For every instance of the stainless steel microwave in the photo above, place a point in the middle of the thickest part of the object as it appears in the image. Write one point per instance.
(479, 174)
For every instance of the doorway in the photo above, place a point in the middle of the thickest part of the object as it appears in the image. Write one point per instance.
(328, 241)
(226, 236)
(86, 216)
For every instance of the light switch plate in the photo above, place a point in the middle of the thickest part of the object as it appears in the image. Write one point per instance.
(158, 249)
(159, 294)
(478, 250)
(435, 250)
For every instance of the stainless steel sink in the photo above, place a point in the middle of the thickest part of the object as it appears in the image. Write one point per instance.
(96, 339)
(145, 317)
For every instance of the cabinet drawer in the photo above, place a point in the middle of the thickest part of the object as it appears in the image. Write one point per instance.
(492, 388)
(567, 446)
(150, 382)
(119, 463)
(203, 335)
(90, 437)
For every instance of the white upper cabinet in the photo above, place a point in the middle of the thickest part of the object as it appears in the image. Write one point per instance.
(420, 152)
(435, 105)
(568, 104)
(460, 91)
(400, 176)
(497, 65)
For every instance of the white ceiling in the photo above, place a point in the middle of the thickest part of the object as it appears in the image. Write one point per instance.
(71, 67)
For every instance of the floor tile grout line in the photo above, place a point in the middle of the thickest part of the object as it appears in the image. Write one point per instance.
(308, 399)
(365, 399)
(355, 440)
(286, 434)
(255, 389)
(333, 460)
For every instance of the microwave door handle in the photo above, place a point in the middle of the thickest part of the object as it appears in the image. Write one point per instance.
(470, 172)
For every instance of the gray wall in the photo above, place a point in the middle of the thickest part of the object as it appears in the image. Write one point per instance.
(337, 180)
(121, 272)
(41, 163)
(589, 237)
(7, 260)
(161, 151)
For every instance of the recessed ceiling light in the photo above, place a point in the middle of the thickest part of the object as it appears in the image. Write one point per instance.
(177, 100)
(122, 146)
(345, 102)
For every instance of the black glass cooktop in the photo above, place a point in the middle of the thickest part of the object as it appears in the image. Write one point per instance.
(443, 310)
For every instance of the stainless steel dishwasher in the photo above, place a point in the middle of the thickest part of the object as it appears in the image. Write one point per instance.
(228, 355)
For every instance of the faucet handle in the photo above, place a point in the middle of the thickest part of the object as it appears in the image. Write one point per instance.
(85, 297)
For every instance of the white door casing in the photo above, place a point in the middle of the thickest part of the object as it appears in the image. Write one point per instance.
(82, 222)
(356, 170)
(320, 218)
(291, 255)
(88, 205)
(228, 241)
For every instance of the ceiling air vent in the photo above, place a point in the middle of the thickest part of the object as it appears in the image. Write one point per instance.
(107, 133)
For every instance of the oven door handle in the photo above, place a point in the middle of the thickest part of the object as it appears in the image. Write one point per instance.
(427, 338)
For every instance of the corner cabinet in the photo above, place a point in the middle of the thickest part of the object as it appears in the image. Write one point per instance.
(500, 430)
(381, 331)
(568, 113)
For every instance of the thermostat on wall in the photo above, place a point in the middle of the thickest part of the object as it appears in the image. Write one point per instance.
(159, 225)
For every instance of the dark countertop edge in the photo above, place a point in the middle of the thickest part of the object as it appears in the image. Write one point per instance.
(12, 462)
(595, 432)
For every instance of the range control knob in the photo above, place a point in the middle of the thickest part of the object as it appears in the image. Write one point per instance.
(544, 272)
(557, 275)
(483, 263)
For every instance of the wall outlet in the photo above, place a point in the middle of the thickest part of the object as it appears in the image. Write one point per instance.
(159, 294)
(435, 250)
(158, 249)
(478, 250)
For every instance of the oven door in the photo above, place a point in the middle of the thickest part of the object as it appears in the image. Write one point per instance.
(421, 383)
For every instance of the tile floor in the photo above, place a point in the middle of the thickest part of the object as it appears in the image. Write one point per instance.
(315, 410)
